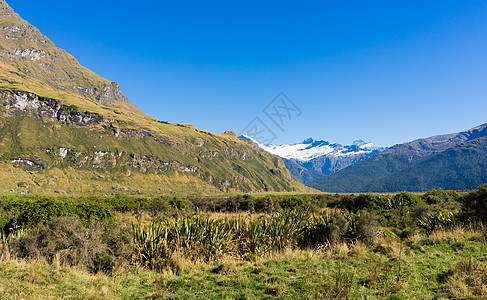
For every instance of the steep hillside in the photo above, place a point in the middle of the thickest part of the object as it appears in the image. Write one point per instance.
(453, 161)
(300, 173)
(65, 129)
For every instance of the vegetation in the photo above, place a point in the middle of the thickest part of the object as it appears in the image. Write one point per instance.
(294, 247)
(110, 174)
(415, 167)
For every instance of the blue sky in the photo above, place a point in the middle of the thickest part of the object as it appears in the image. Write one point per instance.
(382, 71)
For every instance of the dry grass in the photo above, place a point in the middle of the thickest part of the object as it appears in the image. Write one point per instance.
(468, 279)
(443, 235)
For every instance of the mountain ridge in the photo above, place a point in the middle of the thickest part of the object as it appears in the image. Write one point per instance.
(419, 165)
(312, 159)
(65, 129)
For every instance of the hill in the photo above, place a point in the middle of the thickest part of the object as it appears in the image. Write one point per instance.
(452, 161)
(65, 129)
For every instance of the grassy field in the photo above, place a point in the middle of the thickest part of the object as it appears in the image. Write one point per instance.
(447, 264)
(401, 246)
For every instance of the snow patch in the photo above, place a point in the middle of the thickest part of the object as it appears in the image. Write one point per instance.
(310, 149)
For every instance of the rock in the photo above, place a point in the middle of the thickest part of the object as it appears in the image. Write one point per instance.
(27, 104)
(29, 163)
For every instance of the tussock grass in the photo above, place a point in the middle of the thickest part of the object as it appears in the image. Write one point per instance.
(344, 269)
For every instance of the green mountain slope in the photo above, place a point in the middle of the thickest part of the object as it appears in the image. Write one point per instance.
(300, 173)
(65, 129)
(454, 161)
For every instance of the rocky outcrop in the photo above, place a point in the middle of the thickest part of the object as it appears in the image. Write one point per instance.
(111, 93)
(19, 103)
(26, 54)
(110, 159)
(29, 163)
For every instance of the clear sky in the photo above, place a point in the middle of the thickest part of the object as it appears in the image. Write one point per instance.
(382, 71)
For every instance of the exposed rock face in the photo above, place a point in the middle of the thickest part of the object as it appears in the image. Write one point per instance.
(111, 93)
(26, 54)
(29, 163)
(28, 104)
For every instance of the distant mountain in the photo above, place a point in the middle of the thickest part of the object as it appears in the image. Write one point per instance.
(452, 161)
(65, 129)
(313, 159)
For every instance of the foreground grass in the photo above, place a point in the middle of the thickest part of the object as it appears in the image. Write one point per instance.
(443, 265)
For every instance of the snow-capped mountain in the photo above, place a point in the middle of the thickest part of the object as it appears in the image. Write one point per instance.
(312, 159)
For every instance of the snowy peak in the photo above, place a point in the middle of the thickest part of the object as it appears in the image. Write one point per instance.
(310, 149)
(312, 159)
(304, 151)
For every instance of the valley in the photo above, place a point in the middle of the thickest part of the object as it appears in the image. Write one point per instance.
(99, 200)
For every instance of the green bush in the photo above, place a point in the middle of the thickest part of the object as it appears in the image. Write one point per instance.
(366, 227)
(70, 109)
(440, 196)
(371, 201)
(28, 212)
(43, 211)
(123, 203)
(405, 199)
(474, 204)
(324, 229)
(96, 246)
(292, 202)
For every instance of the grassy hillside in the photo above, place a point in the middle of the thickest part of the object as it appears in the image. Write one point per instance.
(65, 129)
(132, 164)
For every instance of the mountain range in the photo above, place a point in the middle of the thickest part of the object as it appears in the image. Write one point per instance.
(65, 129)
(312, 159)
(456, 161)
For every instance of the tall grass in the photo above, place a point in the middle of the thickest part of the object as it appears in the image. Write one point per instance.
(206, 239)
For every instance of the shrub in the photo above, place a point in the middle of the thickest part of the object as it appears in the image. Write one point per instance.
(325, 229)
(122, 203)
(70, 109)
(45, 210)
(404, 199)
(474, 204)
(292, 202)
(371, 201)
(366, 227)
(421, 211)
(96, 246)
(440, 196)
(265, 204)
(64, 239)
(119, 239)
